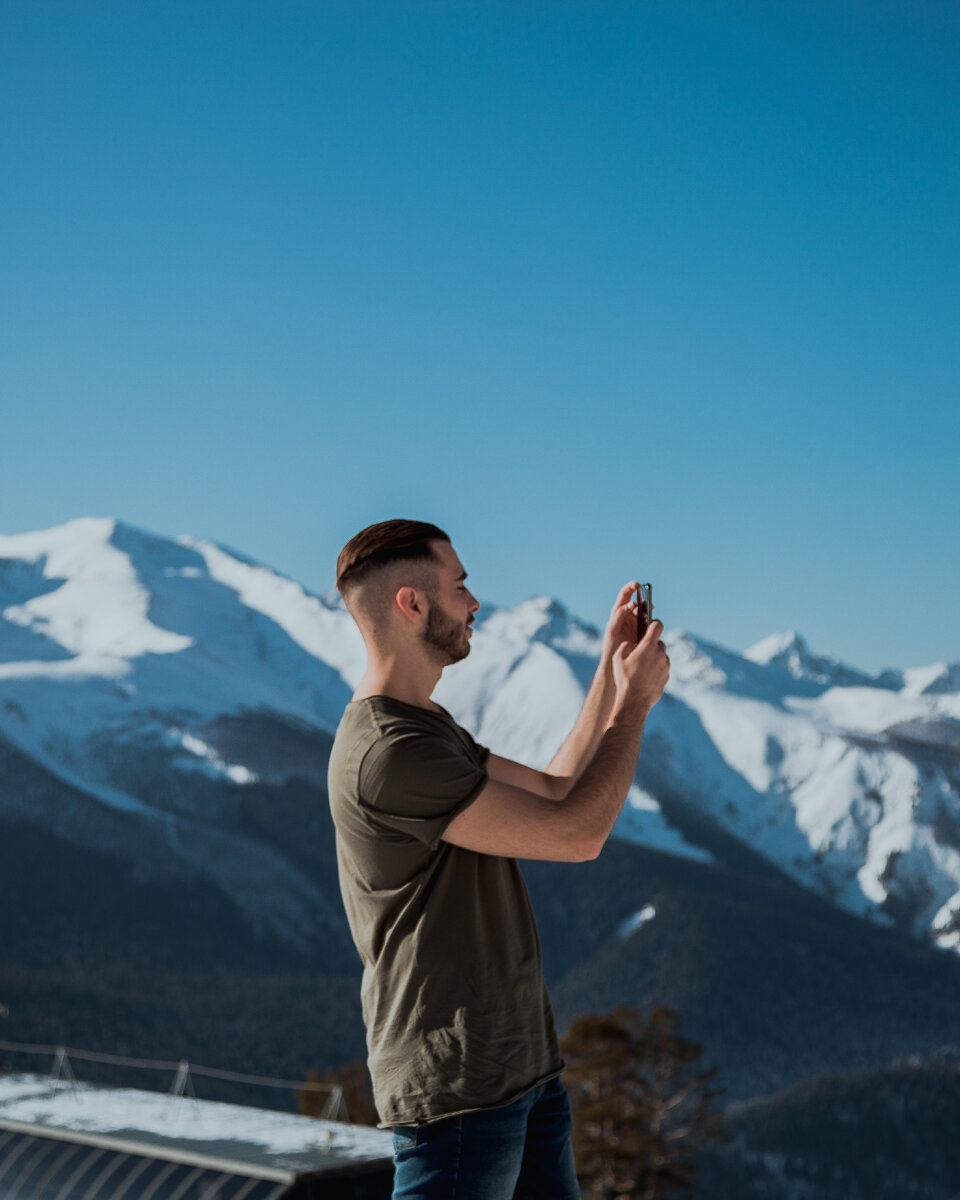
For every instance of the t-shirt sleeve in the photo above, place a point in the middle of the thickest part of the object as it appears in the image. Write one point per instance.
(415, 783)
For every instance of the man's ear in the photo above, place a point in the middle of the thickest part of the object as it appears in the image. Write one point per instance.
(411, 604)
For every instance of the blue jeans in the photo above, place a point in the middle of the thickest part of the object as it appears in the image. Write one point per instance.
(521, 1151)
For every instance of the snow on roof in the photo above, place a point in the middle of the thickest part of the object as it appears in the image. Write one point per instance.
(249, 1141)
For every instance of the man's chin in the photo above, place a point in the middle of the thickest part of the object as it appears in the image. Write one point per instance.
(447, 656)
(461, 654)
(448, 645)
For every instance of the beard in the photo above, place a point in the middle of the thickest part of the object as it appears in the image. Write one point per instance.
(446, 637)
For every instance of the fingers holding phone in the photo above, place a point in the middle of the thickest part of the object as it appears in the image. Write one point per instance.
(642, 672)
(644, 606)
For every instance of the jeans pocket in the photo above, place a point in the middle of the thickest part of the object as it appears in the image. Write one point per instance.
(404, 1137)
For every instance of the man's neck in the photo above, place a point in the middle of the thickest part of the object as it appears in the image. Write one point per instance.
(401, 677)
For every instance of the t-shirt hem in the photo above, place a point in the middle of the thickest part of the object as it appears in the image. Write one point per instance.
(459, 1112)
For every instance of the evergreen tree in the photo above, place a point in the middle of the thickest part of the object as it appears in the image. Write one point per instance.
(642, 1105)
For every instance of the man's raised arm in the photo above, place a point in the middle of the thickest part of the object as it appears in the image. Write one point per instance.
(580, 745)
(517, 822)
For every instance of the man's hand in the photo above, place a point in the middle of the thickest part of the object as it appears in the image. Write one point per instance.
(640, 672)
(622, 625)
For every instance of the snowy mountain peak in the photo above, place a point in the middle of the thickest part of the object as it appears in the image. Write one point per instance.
(541, 619)
(790, 652)
(776, 647)
(79, 595)
(936, 680)
(691, 660)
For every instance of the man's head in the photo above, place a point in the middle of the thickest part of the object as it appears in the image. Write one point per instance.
(403, 579)
(383, 544)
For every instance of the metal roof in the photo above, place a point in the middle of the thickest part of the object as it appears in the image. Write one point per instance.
(43, 1168)
(77, 1141)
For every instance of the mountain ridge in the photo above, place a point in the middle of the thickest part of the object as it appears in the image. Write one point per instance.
(118, 645)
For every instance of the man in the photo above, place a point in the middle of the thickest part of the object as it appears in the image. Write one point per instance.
(462, 1047)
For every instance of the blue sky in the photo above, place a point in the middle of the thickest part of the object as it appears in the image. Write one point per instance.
(667, 289)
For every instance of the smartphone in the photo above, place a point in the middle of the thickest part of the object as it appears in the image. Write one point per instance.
(644, 608)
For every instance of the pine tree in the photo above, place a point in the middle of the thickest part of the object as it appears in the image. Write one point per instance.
(642, 1107)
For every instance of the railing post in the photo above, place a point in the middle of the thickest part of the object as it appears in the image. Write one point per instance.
(334, 1104)
(61, 1068)
(182, 1083)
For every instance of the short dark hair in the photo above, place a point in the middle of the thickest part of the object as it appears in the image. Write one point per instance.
(386, 542)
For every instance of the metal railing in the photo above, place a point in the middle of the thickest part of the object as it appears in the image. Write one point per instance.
(333, 1110)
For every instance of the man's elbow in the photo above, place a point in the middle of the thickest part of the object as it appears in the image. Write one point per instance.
(556, 787)
(585, 853)
(584, 844)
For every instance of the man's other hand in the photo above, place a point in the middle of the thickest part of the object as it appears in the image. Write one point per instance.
(640, 672)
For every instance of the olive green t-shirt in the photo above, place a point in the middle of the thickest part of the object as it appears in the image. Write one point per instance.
(454, 1002)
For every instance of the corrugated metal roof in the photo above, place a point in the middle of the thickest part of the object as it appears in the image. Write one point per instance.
(78, 1141)
(43, 1168)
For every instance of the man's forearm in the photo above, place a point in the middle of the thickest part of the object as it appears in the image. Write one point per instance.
(580, 744)
(595, 800)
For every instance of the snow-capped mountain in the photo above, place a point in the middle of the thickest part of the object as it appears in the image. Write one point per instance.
(134, 668)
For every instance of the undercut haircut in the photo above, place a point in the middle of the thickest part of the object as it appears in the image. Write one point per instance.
(382, 544)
